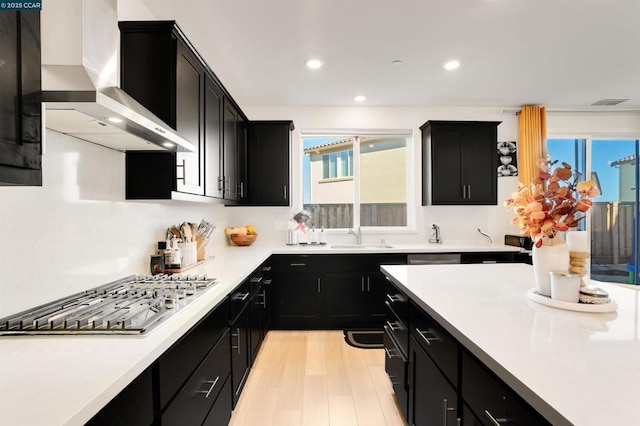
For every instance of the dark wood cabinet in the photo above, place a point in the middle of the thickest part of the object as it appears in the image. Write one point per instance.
(192, 404)
(213, 148)
(491, 400)
(240, 340)
(490, 257)
(132, 407)
(459, 163)
(162, 70)
(432, 399)
(268, 159)
(20, 99)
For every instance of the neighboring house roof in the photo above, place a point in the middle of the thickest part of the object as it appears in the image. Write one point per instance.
(325, 146)
(629, 159)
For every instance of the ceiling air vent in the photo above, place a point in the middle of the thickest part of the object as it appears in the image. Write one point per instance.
(609, 102)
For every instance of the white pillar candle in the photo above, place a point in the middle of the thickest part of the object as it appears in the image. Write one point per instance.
(578, 241)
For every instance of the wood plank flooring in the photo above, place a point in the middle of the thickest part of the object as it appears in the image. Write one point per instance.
(315, 378)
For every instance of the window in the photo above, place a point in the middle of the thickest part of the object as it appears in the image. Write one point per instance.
(352, 180)
(613, 221)
(337, 164)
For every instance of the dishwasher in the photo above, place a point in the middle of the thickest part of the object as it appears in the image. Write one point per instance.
(433, 259)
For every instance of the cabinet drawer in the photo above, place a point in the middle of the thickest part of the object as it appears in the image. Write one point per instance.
(176, 365)
(436, 342)
(239, 299)
(489, 257)
(220, 413)
(488, 397)
(299, 263)
(398, 330)
(194, 401)
(395, 365)
(397, 302)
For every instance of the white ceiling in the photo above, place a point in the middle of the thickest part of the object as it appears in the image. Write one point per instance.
(558, 53)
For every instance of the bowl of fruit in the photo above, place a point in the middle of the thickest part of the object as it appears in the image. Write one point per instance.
(242, 235)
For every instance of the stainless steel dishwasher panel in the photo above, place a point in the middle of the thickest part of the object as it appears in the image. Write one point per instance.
(433, 259)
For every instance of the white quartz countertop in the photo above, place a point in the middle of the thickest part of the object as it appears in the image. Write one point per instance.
(65, 380)
(393, 248)
(573, 367)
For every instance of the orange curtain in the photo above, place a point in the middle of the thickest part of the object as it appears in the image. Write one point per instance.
(532, 136)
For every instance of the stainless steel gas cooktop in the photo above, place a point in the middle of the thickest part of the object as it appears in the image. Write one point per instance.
(132, 305)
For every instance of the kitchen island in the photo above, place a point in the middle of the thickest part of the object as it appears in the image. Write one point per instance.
(65, 380)
(572, 367)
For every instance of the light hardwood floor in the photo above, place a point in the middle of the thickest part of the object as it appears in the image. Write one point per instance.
(315, 378)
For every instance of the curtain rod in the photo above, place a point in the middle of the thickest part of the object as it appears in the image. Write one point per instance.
(516, 111)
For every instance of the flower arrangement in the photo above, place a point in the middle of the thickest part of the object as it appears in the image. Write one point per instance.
(554, 202)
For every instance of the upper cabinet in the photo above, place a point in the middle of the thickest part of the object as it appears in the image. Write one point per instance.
(20, 99)
(164, 72)
(268, 162)
(459, 162)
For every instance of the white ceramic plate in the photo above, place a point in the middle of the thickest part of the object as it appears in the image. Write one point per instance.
(580, 307)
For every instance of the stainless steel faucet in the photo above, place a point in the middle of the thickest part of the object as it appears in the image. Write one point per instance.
(357, 234)
(435, 235)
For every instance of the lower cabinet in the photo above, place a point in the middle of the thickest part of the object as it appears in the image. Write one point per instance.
(396, 364)
(220, 413)
(132, 407)
(240, 341)
(196, 398)
(432, 399)
(491, 400)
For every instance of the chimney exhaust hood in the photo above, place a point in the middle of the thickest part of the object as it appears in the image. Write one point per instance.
(80, 50)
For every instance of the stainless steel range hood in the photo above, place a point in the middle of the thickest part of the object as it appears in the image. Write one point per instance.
(80, 40)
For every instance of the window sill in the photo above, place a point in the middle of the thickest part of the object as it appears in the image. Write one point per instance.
(339, 179)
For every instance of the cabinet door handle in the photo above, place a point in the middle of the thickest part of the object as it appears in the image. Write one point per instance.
(464, 191)
(445, 411)
(220, 184)
(264, 299)
(284, 193)
(362, 284)
(213, 385)
(495, 421)
(241, 192)
(184, 171)
(368, 284)
(468, 191)
(428, 339)
(236, 334)
(318, 285)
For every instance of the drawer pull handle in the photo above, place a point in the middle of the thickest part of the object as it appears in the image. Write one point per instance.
(256, 280)
(496, 422)
(391, 353)
(213, 385)
(428, 339)
(394, 380)
(297, 264)
(236, 334)
(267, 282)
(445, 411)
(393, 326)
(266, 268)
(264, 299)
(393, 298)
(241, 296)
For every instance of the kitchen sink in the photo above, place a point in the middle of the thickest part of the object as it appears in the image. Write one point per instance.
(362, 246)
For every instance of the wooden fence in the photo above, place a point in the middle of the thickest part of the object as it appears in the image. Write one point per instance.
(612, 232)
(341, 215)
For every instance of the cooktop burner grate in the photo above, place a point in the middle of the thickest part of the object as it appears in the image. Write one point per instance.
(133, 305)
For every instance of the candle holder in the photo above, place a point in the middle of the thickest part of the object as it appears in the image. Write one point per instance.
(577, 260)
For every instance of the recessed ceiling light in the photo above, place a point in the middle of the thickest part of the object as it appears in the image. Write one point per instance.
(359, 98)
(115, 119)
(314, 63)
(452, 65)
(168, 144)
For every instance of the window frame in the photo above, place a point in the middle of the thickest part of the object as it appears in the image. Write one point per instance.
(410, 147)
